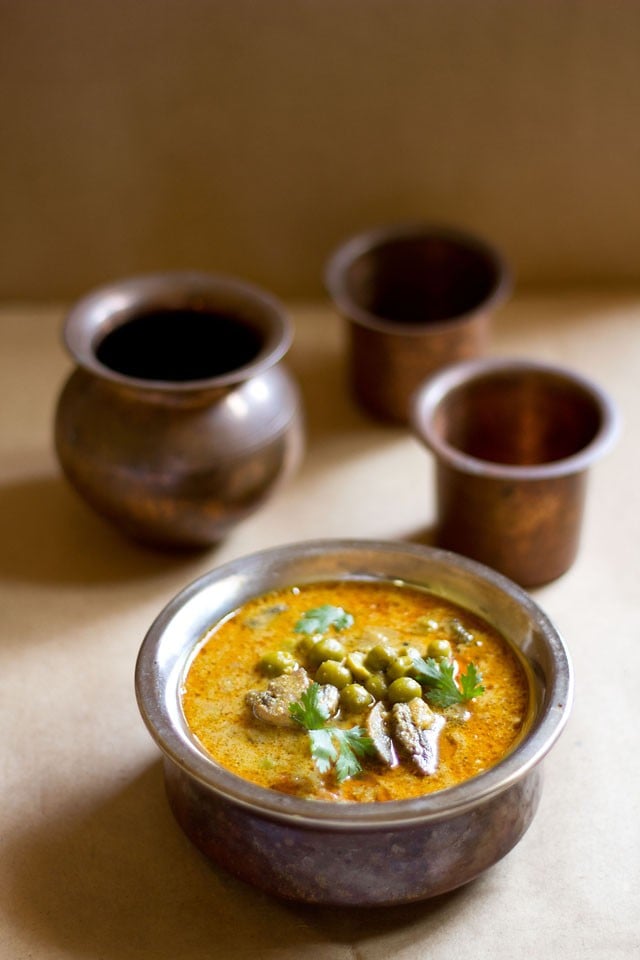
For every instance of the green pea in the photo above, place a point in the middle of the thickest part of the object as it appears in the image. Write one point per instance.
(329, 648)
(308, 641)
(409, 651)
(276, 662)
(376, 685)
(380, 656)
(331, 671)
(439, 650)
(404, 689)
(354, 698)
(400, 667)
(355, 663)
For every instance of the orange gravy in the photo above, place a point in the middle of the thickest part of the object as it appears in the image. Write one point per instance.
(224, 668)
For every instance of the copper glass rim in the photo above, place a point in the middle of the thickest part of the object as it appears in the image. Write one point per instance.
(447, 246)
(452, 385)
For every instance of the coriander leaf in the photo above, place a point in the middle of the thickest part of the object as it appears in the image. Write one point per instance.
(357, 740)
(353, 743)
(441, 688)
(427, 672)
(471, 682)
(323, 750)
(321, 618)
(330, 745)
(309, 711)
(437, 676)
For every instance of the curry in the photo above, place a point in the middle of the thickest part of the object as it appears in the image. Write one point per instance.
(356, 691)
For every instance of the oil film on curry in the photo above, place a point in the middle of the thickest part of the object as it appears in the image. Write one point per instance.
(356, 691)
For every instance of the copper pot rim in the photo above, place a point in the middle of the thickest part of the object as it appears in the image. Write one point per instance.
(361, 243)
(158, 701)
(434, 390)
(102, 309)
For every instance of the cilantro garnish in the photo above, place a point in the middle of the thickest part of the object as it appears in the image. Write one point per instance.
(353, 745)
(331, 746)
(309, 711)
(441, 687)
(321, 618)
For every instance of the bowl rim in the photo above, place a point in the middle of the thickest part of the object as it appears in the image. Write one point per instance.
(359, 244)
(435, 389)
(159, 666)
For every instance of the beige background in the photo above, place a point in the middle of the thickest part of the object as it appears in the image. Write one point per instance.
(250, 136)
(92, 864)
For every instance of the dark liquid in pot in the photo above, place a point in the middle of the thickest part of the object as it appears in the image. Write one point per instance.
(179, 345)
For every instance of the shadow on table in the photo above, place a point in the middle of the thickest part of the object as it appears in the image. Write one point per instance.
(119, 880)
(50, 536)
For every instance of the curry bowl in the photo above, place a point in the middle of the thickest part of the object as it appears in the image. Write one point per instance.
(350, 853)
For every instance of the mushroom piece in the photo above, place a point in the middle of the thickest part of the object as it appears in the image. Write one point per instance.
(272, 705)
(377, 724)
(416, 730)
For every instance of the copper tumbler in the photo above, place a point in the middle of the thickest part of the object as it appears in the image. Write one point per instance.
(415, 298)
(512, 441)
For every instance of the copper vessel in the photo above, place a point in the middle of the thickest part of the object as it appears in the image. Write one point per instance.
(415, 297)
(513, 441)
(351, 854)
(180, 417)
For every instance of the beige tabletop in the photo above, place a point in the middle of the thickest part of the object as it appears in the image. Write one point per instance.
(92, 863)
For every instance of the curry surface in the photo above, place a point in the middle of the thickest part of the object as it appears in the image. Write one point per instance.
(225, 668)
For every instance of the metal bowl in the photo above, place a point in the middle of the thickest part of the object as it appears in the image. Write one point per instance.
(348, 853)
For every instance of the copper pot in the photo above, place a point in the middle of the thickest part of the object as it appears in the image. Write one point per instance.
(415, 298)
(180, 418)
